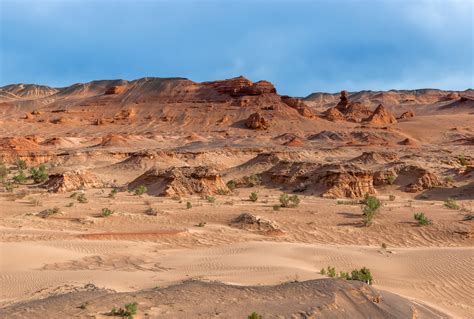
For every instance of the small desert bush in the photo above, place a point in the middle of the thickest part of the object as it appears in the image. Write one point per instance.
(39, 174)
(451, 203)
(3, 171)
(276, 207)
(449, 179)
(391, 197)
(462, 160)
(128, 311)
(231, 185)
(222, 191)
(21, 164)
(391, 179)
(70, 204)
(189, 205)
(113, 192)
(362, 274)
(20, 178)
(201, 224)
(211, 199)
(254, 315)
(81, 198)
(253, 180)
(371, 206)
(384, 246)
(289, 201)
(422, 219)
(253, 196)
(140, 190)
(49, 212)
(8, 186)
(106, 212)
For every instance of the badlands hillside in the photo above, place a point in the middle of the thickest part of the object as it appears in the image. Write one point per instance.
(220, 199)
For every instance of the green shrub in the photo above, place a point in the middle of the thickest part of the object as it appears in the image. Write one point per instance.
(253, 196)
(106, 212)
(391, 179)
(113, 192)
(140, 190)
(201, 224)
(49, 212)
(344, 275)
(254, 180)
(462, 160)
(3, 172)
(20, 178)
(39, 174)
(129, 311)
(371, 206)
(254, 315)
(276, 207)
(8, 186)
(211, 199)
(362, 274)
(331, 272)
(449, 179)
(189, 205)
(222, 191)
(422, 219)
(21, 164)
(81, 198)
(391, 197)
(323, 271)
(451, 203)
(289, 201)
(231, 185)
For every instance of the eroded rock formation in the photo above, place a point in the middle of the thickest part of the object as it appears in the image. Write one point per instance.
(72, 181)
(256, 122)
(180, 181)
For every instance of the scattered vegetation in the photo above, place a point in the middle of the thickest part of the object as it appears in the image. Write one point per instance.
(384, 246)
(253, 196)
(81, 198)
(254, 315)
(231, 185)
(3, 171)
(276, 207)
(422, 219)
(252, 180)
(70, 204)
(140, 190)
(462, 160)
(201, 224)
(371, 206)
(21, 164)
(39, 174)
(222, 191)
(20, 178)
(8, 186)
(211, 199)
(362, 274)
(391, 179)
(451, 203)
(449, 179)
(391, 197)
(129, 311)
(106, 212)
(289, 201)
(189, 205)
(113, 192)
(49, 212)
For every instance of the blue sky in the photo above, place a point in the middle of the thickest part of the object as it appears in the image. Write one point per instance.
(301, 46)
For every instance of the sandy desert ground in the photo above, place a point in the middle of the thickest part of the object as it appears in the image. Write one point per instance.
(180, 249)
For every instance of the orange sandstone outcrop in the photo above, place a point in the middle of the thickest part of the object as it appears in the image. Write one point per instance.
(72, 181)
(256, 122)
(381, 116)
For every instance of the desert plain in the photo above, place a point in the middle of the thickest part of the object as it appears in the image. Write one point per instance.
(224, 198)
